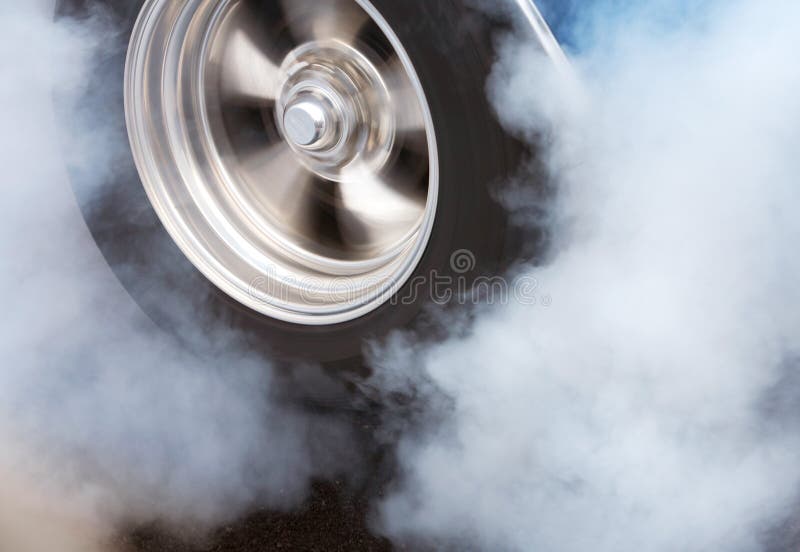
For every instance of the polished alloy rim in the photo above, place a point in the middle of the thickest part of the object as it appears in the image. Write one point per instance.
(287, 147)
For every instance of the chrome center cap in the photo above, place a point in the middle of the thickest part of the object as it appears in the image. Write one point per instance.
(306, 122)
(334, 109)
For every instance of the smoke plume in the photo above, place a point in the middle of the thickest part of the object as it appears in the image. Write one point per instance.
(104, 420)
(649, 401)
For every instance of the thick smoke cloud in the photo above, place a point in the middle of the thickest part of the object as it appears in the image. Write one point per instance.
(650, 406)
(104, 420)
(653, 404)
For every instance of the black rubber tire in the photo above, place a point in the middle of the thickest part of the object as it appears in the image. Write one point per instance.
(452, 48)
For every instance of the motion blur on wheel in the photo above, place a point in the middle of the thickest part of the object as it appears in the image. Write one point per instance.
(315, 164)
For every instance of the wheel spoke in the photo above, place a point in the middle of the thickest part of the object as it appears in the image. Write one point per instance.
(248, 74)
(282, 185)
(377, 209)
(324, 19)
(410, 120)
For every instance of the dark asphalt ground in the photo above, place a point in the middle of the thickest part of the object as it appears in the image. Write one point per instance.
(329, 521)
(335, 516)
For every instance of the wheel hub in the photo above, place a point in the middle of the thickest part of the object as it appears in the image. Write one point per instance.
(341, 93)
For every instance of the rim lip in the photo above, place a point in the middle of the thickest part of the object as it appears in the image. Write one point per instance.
(151, 175)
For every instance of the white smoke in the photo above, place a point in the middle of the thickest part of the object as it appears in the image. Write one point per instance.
(105, 421)
(653, 405)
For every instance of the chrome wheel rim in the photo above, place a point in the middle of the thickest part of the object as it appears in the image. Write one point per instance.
(287, 147)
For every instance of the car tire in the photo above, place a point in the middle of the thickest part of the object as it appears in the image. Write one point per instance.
(451, 45)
